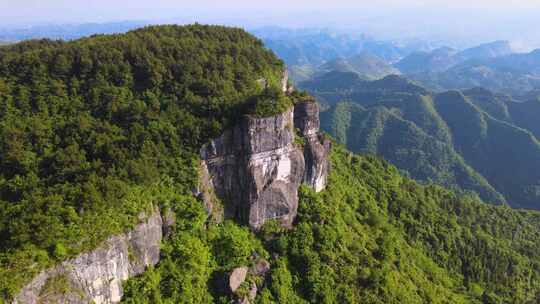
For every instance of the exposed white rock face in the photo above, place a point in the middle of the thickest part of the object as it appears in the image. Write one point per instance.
(306, 119)
(256, 168)
(97, 276)
(237, 277)
(285, 81)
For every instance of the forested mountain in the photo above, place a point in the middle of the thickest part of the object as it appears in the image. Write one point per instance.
(372, 236)
(470, 139)
(335, 86)
(97, 130)
(93, 131)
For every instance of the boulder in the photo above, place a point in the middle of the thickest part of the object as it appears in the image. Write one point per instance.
(237, 277)
(260, 268)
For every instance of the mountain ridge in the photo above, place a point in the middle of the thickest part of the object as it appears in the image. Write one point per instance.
(464, 142)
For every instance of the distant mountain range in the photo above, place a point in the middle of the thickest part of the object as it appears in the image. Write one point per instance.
(316, 47)
(473, 140)
(514, 74)
(312, 52)
(495, 65)
(434, 61)
(444, 58)
(365, 64)
(68, 31)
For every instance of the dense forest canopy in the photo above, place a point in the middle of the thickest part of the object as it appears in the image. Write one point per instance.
(372, 236)
(93, 130)
(473, 140)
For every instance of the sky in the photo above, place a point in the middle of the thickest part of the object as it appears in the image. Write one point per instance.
(467, 20)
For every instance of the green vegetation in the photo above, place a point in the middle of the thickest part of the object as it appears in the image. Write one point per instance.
(270, 102)
(97, 130)
(195, 261)
(59, 286)
(372, 236)
(422, 152)
(475, 141)
(507, 155)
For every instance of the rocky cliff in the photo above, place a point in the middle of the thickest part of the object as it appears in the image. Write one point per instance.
(256, 168)
(251, 173)
(316, 147)
(97, 276)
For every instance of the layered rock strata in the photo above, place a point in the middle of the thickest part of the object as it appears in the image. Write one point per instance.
(256, 168)
(97, 276)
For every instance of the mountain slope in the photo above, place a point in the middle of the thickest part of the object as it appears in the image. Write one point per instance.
(346, 84)
(99, 131)
(495, 149)
(96, 130)
(470, 141)
(371, 237)
(404, 144)
(502, 107)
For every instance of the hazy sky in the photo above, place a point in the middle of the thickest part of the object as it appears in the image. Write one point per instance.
(463, 19)
(19, 11)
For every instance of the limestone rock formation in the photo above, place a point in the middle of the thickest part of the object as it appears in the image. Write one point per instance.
(256, 168)
(260, 268)
(237, 277)
(306, 119)
(97, 276)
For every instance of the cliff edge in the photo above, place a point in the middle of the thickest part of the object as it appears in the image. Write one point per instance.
(97, 276)
(256, 168)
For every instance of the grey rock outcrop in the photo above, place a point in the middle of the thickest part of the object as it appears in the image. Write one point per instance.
(306, 119)
(260, 268)
(97, 276)
(240, 275)
(237, 277)
(256, 168)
